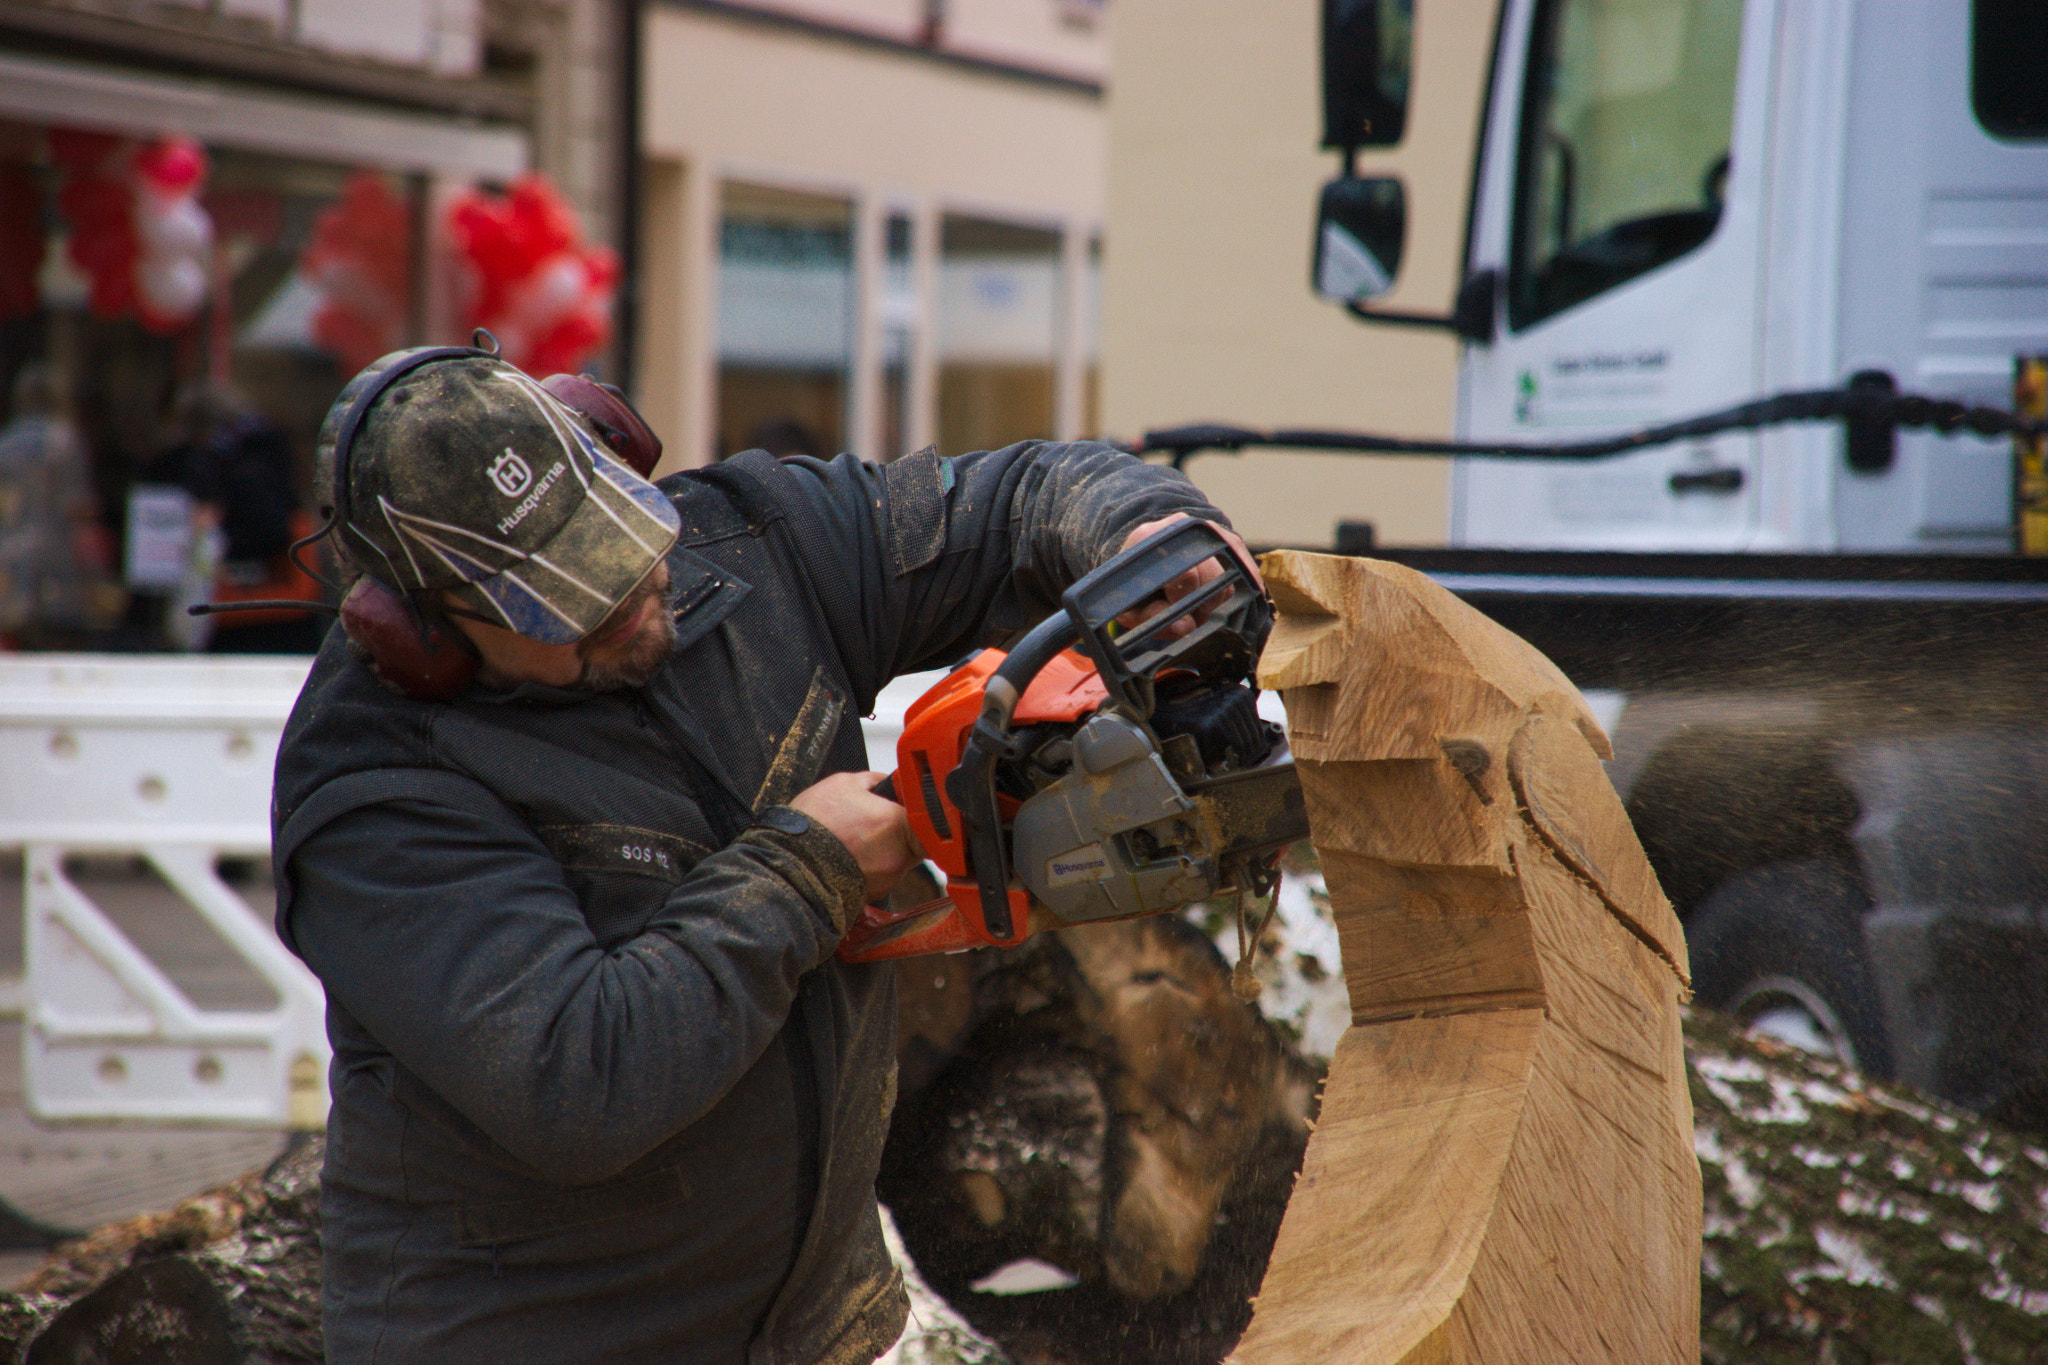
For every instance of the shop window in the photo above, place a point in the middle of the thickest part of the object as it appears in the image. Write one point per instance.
(785, 313)
(260, 344)
(997, 321)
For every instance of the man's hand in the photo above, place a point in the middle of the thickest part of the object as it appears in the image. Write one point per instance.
(874, 829)
(1194, 578)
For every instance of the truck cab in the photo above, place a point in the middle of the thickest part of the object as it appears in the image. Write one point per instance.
(1691, 203)
(1822, 648)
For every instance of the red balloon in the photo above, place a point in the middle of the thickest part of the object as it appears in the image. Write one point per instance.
(516, 249)
(357, 340)
(88, 200)
(104, 249)
(113, 294)
(173, 165)
(99, 200)
(567, 345)
(153, 321)
(360, 256)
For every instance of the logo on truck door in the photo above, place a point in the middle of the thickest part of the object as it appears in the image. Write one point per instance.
(1594, 388)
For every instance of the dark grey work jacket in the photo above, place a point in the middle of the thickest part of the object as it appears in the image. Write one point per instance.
(601, 1092)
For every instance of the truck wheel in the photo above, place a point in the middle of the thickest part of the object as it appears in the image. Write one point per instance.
(1780, 947)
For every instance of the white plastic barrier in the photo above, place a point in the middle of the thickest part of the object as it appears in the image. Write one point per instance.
(166, 759)
(169, 759)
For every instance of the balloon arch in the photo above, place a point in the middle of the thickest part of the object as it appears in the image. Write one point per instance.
(137, 230)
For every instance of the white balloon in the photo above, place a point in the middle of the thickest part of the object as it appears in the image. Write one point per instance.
(173, 288)
(172, 225)
(550, 293)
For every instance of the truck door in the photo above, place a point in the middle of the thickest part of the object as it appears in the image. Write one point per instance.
(1943, 273)
(1620, 200)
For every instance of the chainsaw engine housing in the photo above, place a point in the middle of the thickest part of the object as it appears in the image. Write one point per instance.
(1096, 770)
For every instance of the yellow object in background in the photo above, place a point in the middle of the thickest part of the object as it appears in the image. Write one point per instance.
(2030, 457)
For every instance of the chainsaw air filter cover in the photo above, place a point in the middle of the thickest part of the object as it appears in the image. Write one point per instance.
(1116, 836)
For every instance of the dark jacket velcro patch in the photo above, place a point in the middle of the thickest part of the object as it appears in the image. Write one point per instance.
(622, 848)
(917, 486)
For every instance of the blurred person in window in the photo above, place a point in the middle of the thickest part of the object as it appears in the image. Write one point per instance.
(236, 465)
(52, 547)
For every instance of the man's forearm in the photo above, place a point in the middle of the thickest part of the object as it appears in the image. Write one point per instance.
(1078, 503)
(1021, 524)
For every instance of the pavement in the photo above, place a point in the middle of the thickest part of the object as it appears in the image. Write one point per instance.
(76, 1177)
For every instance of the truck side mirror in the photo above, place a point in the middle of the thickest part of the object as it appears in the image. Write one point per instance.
(1360, 231)
(1368, 49)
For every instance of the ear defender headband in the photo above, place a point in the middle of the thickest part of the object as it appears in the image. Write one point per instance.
(341, 513)
(408, 652)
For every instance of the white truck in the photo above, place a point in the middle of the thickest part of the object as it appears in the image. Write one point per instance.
(1834, 662)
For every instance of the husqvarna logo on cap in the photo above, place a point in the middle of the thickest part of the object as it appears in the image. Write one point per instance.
(511, 474)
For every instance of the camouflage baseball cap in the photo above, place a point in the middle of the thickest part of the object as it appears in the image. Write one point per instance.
(465, 474)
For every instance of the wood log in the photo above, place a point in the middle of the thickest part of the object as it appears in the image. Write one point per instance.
(1114, 1112)
(228, 1277)
(1503, 1167)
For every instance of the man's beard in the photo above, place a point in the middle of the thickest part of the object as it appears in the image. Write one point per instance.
(621, 664)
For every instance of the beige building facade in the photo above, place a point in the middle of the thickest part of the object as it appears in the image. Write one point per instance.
(869, 225)
(1214, 173)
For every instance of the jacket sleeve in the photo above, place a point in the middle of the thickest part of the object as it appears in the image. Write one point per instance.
(455, 940)
(919, 561)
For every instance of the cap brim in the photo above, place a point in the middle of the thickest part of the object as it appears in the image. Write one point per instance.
(563, 590)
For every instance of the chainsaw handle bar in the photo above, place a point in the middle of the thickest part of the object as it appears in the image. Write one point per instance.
(1230, 613)
(1124, 662)
(972, 784)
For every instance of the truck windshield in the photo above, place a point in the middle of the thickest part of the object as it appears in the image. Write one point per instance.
(1626, 115)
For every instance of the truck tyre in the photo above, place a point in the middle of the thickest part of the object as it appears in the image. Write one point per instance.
(1781, 948)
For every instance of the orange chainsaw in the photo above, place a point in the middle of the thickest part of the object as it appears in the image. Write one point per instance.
(1094, 773)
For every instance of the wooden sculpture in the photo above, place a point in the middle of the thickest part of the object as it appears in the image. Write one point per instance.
(1503, 1168)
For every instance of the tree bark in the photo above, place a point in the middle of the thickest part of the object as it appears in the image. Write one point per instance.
(1850, 1222)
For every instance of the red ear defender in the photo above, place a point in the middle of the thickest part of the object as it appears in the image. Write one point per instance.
(614, 416)
(424, 661)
